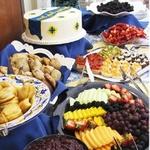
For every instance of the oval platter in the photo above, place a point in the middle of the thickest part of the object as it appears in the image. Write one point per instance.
(74, 92)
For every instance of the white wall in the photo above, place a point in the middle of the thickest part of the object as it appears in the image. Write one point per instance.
(34, 4)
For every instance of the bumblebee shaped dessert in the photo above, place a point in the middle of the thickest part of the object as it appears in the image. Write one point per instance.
(44, 69)
(15, 100)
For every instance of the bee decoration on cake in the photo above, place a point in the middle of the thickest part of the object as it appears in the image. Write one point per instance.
(52, 30)
(76, 26)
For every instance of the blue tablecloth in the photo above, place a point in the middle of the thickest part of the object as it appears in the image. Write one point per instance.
(95, 24)
(72, 49)
(38, 127)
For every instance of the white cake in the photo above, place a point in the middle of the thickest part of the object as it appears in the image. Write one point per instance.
(53, 25)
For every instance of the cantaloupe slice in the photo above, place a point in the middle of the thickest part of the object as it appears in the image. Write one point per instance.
(77, 135)
(99, 137)
(90, 140)
(102, 133)
(92, 134)
(84, 139)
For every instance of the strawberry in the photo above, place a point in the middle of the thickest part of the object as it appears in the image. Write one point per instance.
(132, 101)
(105, 34)
(108, 86)
(113, 98)
(70, 124)
(129, 95)
(81, 125)
(124, 90)
(125, 98)
(116, 87)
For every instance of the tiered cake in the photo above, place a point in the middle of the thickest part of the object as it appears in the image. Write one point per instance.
(53, 25)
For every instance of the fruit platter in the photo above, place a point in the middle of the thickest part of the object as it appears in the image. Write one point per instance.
(106, 63)
(121, 34)
(101, 113)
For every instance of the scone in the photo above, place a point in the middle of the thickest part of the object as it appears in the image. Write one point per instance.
(3, 119)
(11, 111)
(25, 105)
(7, 94)
(27, 91)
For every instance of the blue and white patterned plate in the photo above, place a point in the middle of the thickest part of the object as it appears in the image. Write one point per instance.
(42, 98)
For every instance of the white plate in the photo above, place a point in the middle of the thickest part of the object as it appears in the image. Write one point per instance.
(42, 98)
(140, 72)
(139, 14)
(54, 42)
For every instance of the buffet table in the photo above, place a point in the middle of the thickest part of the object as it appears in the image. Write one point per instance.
(49, 121)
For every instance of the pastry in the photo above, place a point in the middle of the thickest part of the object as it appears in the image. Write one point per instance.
(3, 119)
(50, 80)
(27, 91)
(3, 70)
(7, 94)
(34, 66)
(56, 75)
(45, 61)
(55, 63)
(19, 60)
(48, 69)
(13, 100)
(25, 105)
(4, 84)
(11, 111)
(37, 73)
(34, 63)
